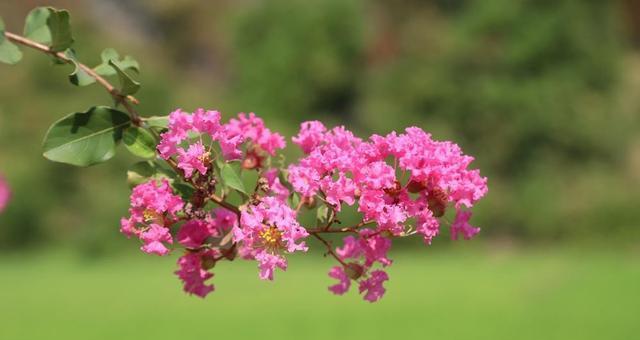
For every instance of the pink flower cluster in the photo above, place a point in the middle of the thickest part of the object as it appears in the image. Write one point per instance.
(202, 125)
(394, 179)
(5, 194)
(155, 210)
(265, 231)
(402, 184)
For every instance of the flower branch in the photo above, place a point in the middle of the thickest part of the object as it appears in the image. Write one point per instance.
(126, 101)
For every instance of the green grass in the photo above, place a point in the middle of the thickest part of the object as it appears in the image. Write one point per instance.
(452, 294)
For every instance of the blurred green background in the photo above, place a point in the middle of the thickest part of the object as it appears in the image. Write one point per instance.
(543, 93)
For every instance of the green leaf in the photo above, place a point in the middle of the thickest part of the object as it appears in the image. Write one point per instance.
(85, 138)
(9, 52)
(139, 142)
(157, 121)
(231, 179)
(35, 26)
(295, 199)
(80, 77)
(143, 171)
(58, 23)
(184, 190)
(128, 63)
(108, 54)
(322, 214)
(127, 85)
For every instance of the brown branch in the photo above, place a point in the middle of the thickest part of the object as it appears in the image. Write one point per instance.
(221, 202)
(329, 248)
(126, 101)
(352, 229)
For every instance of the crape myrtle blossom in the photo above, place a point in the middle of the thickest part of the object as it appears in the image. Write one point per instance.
(401, 184)
(219, 191)
(153, 210)
(395, 178)
(5, 194)
(192, 156)
(266, 230)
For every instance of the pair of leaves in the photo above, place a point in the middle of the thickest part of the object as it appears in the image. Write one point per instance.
(109, 54)
(49, 26)
(112, 65)
(45, 25)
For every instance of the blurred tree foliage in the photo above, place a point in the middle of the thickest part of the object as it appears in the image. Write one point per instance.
(540, 91)
(294, 57)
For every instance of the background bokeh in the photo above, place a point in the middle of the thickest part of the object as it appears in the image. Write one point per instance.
(543, 93)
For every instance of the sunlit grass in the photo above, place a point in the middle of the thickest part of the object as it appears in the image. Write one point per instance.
(453, 294)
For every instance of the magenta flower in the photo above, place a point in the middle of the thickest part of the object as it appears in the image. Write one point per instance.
(193, 275)
(305, 180)
(153, 209)
(224, 220)
(180, 123)
(194, 158)
(267, 230)
(310, 136)
(276, 188)
(193, 233)
(5, 194)
(268, 263)
(461, 226)
(344, 282)
(377, 175)
(153, 239)
(207, 122)
(342, 190)
(401, 184)
(372, 287)
(252, 129)
(230, 147)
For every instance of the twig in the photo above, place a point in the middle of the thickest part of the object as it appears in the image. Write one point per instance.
(126, 101)
(352, 229)
(221, 202)
(329, 248)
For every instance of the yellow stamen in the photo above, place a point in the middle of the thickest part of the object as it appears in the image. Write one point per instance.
(271, 237)
(150, 215)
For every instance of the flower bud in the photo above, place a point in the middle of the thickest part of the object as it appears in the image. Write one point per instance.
(353, 270)
(230, 254)
(437, 202)
(208, 262)
(415, 186)
(395, 191)
(309, 202)
(251, 161)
